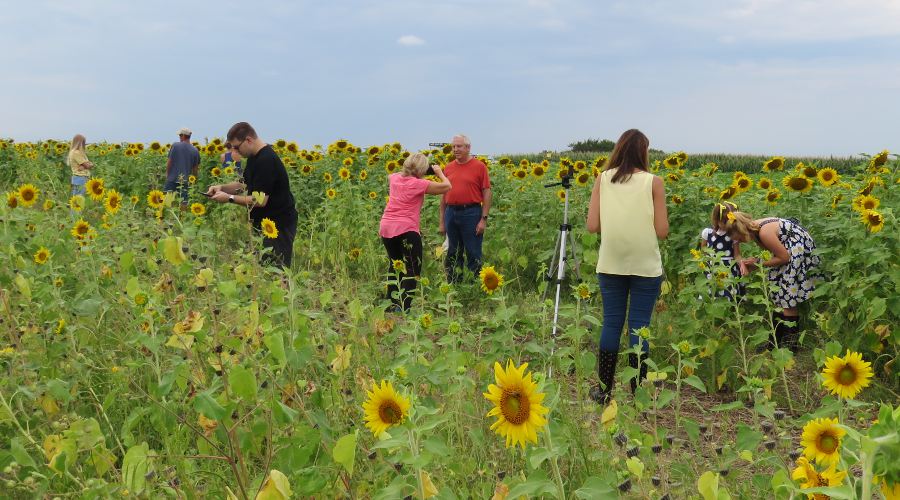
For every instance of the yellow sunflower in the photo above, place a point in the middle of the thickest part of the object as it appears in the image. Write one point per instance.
(583, 178)
(306, 169)
(810, 478)
(728, 193)
(538, 170)
(198, 209)
(330, 193)
(12, 199)
(384, 408)
(821, 440)
(879, 159)
(156, 198)
(113, 201)
(517, 405)
(42, 255)
(344, 173)
(677, 199)
(561, 194)
(775, 163)
(772, 196)
(391, 166)
(846, 376)
(828, 176)
(327, 177)
(582, 291)
(798, 183)
(808, 171)
(373, 195)
(28, 195)
(764, 183)
(873, 220)
(835, 200)
(348, 161)
(865, 202)
(743, 184)
(491, 280)
(399, 266)
(94, 188)
(216, 171)
(672, 162)
(520, 173)
(363, 175)
(48, 204)
(268, 228)
(81, 229)
(76, 203)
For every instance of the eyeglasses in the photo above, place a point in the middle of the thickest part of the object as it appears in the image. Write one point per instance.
(236, 146)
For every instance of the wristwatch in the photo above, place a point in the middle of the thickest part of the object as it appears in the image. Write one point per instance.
(231, 198)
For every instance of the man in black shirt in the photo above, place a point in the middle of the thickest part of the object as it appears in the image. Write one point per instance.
(263, 173)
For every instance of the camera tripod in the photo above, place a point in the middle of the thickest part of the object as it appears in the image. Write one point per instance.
(564, 251)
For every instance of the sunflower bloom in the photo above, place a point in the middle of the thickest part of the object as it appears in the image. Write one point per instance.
(775, 163)
(828, 176)
(821, 440)
(810, 478)
(798, 183)
(113, 201)
(81, 230)
(517, 405)
(846, 376)
(12, 199)
(268, 228)
(491, 280)
(772, 196)
(95, 189)
(384, 408)
(42, 256)
(330, 193)
(764, 183)
(865, 202)
(156, 198)
(198, 209)
(873, 220)
(28, 195)
(344, 174)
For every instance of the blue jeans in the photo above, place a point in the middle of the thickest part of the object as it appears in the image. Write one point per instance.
(460, 224)
(616, 290)
(180, 186)
(78, 183)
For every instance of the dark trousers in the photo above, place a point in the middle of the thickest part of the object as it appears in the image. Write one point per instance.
(635, 295)
(407, 248)
(460, 224)
(283, 246)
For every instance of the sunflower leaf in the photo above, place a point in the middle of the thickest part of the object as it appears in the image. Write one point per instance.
(596, 488)
(344, 451)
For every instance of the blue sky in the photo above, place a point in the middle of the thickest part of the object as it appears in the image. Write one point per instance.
(745, 76)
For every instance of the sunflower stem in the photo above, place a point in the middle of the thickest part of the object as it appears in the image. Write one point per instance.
(554, 464)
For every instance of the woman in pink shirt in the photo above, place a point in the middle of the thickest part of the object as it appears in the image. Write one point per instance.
(400, 226)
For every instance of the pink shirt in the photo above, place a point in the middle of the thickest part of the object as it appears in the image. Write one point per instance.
(401, 214)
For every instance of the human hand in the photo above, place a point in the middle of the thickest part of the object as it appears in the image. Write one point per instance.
(479, 229)
(215, 188)
(437, 170)
(220, 196)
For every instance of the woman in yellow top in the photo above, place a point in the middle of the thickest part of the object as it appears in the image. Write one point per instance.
(628, 209)
(79, 163)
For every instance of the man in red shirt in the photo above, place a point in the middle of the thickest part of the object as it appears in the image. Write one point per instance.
(464, 209)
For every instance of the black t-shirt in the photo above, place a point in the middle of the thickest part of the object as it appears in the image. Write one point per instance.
(265, 173)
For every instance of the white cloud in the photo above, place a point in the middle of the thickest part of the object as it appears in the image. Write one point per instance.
(410, 40)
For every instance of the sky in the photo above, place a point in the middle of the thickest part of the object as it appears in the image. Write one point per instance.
(763, 77)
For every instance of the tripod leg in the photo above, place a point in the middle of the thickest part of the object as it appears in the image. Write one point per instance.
(552, 270)
(574, 257)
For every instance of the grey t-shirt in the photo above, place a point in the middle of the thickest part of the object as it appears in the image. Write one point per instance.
(184, 157)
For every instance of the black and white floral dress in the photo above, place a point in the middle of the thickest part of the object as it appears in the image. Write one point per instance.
(723, 246)
(794, 281)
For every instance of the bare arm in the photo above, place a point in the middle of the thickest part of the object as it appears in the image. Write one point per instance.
(439, 187)
(168, 166)
(768, 239)
(660, 212)
(593, 215)
(737, 250)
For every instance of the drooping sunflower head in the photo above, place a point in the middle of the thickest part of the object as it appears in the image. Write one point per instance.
(879, 159)
(873, 220)
(94, 188)
(821, 440)
(517, 405)
(12, 199)
(42, 255)
(828, 176)
(728, 193)
(28, 195)
(671, 162)
(677, 199)
(773, 164)
(798, 183)
(384, 408)
(198, 209)
(846, 376)
(491, 280)
(268, 228)
(809, 171)
(156, 198)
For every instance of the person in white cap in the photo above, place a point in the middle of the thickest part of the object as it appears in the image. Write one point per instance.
(184, 161)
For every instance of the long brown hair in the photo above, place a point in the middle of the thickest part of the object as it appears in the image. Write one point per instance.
(632, 152)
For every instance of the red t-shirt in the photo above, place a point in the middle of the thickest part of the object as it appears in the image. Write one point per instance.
(468, 180)
(401, 214)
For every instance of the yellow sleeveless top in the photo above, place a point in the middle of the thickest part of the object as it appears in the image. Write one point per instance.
(628, 243)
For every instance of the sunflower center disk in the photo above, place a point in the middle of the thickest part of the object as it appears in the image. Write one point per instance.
(828, 444)
(490, 282)
(389, 412)
(847, 375)
(515, 407)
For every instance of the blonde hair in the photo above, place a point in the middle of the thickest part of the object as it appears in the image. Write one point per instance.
(720, 213)
(415, 165)
(739, 224)
(78, 142)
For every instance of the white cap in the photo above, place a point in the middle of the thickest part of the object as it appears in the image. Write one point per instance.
(184, 131)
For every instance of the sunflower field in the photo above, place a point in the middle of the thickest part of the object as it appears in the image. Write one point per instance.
(147, 354)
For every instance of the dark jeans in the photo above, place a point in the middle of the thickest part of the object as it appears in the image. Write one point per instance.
(408, 248)
(179, 186)
(616, 291)
(283, 246)
(460, 224)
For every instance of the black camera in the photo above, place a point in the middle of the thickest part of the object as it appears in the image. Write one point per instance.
(429, 170)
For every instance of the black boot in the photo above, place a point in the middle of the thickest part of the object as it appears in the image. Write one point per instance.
(642, 369)
(606, 369)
